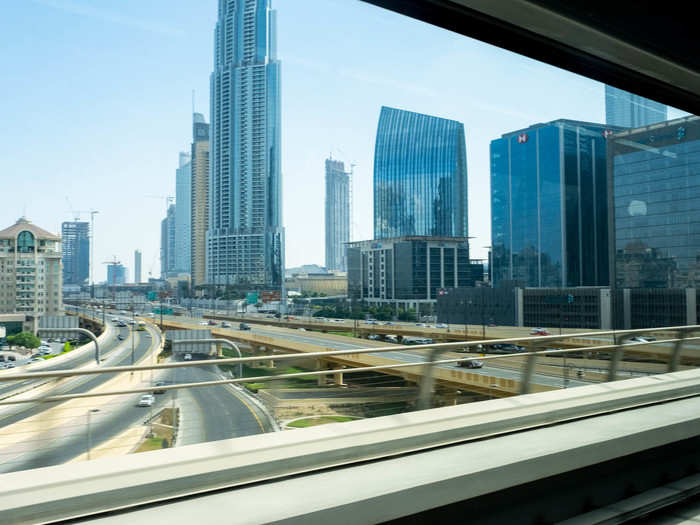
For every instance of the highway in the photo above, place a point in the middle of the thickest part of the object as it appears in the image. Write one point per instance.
(213, 413)
(324, 342)
(59, 446)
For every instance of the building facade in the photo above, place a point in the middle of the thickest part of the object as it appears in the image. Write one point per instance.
(183, 214)
(30, 270)
(245, 238)
(655, 198)
(116, 274)
(137, 266)
(628, 110)
(549, 209)
(199, 198)
(420, 176)
(167, 244)
(337, 214)
(75, 237)
(409, 272)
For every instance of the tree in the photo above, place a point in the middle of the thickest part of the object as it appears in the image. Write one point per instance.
(25, 339)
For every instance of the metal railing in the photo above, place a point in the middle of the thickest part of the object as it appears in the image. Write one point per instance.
(683, 334)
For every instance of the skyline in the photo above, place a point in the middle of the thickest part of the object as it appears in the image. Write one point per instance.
(108, 91)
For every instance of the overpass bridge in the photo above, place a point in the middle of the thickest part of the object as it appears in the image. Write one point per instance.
(575, 338)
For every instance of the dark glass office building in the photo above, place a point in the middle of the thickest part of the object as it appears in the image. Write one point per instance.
(75, 237)
(655, 195)
(420, 176)
(549, 209)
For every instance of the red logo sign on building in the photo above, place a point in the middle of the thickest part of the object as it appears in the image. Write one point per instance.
(607, 133)
(522, 138)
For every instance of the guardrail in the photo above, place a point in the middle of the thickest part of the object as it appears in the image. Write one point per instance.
(683, 335)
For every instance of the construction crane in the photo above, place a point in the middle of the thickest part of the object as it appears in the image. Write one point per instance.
(169, 199)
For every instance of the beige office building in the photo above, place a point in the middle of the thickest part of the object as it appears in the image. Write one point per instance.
(200, 197)
(30, 270)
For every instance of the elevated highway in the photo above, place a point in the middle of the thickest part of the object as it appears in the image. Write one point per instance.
(266, 340)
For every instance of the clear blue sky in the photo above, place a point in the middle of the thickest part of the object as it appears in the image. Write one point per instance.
(96, 100)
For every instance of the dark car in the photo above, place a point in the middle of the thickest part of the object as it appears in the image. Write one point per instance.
(120, 337)
(471, 364)
(211, 322)
(278, 315)
(158, 390)
(243, 326)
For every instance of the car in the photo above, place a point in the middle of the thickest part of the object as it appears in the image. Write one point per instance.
(146, 400)
(642, 339)
(225, 325)
(243, 326)
(159, 390)
(420, 324)
(9, 365)
(121, 324)
(35, 359)
(211, 322)
(539, 331)
(373, 337)
(131, 321)
(302, 329)
(121, 337)
(187, 357)
(441, 325)
(474, 363)
(203, 323)
(277, 315)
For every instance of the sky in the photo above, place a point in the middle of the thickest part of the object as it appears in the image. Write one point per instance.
(97, 100)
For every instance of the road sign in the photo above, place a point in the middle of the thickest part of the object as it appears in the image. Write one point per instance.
(252, 298)
(189, 348)
(56, 321)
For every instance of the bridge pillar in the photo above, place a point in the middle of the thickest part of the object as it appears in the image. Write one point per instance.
(322, 379)
(338, 376)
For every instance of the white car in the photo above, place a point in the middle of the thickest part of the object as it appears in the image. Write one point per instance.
(203, 323)
(147, 400)
(187, 357)
(441, 325)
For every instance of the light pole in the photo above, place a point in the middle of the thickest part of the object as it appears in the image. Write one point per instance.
(89, 430)
(133, 334)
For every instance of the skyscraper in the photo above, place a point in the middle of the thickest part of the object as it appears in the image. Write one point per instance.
(137, 266)
(245, 238)
(337, 214)
(655, 200)
(549, 215)
(183, 214)
(420, 176)
(628, 110)
(75, 236)
(199, 198)
(167, 244)
(116, 274)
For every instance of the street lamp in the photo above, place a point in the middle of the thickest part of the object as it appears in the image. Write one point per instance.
(89, 430)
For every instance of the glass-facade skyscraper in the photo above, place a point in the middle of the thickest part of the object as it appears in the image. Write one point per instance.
(420, 176)
(655, 197)
(337, 214)
(75, 237)
(549, 215)
(167, 244)
(245, 238)
(183, 214)
(628, 110)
